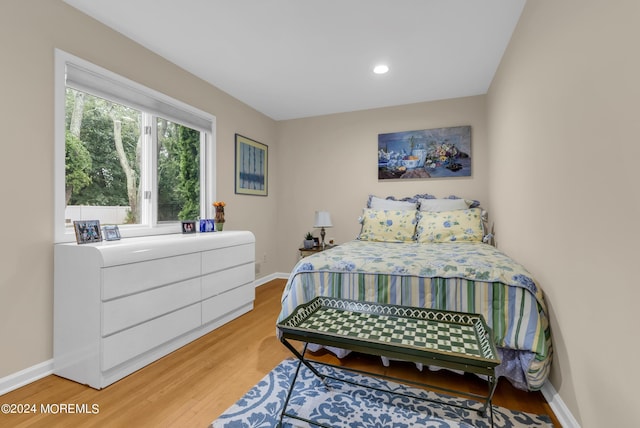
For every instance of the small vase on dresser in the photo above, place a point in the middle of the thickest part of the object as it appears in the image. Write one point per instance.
(219, 218)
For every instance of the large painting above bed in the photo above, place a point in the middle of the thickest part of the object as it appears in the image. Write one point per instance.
(427, 153)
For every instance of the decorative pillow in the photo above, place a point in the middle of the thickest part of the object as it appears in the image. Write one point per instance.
(415, 198)
(390, 204)
(388, 225)
(450, 226)
(439, 205)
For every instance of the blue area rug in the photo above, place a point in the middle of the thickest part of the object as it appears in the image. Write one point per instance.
(345, 405)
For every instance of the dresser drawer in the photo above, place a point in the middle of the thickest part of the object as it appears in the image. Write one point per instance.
(222, 258)
(222, 304)
(133, 278)
(219, 282)
(128, 311)
(123, 346)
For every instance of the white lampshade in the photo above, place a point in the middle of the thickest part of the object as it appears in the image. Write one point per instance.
(323, 219)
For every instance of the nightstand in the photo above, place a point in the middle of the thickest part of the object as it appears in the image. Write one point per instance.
(304, 252)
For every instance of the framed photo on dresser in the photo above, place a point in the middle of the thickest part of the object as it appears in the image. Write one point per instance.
(189, 226)
(111, 233)
(87, 231)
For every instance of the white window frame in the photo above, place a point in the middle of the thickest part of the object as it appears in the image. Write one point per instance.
(149, 225)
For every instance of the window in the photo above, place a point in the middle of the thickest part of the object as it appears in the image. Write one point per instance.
(127, 155)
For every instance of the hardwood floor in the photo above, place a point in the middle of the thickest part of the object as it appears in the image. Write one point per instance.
(195, 384)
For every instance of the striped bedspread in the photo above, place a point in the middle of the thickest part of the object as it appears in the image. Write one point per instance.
(464, 277)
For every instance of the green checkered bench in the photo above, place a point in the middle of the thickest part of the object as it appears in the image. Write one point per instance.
(448, 339)
(456, 340)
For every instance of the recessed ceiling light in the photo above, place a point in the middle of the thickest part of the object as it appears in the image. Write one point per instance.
(380, 69)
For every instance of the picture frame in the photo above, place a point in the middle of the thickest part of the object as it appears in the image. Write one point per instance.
(252, 162)
(425, 154)
(188, 226)
(207, 225)
(87, 231)
(111, 233)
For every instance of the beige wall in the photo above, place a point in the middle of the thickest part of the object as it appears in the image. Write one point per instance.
(330, 162)
(563, 131)
(29, 32)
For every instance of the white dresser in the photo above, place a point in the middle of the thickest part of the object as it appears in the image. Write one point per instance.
(121, 305)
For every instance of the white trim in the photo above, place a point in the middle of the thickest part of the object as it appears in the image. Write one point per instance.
(208, 168)
(263, 280)
(562, 412)
(60, 60)
(26, 376)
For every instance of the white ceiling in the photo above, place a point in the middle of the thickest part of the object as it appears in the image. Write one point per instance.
(300, 58)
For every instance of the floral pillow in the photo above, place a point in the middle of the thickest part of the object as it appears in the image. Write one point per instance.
(388, 225)
(450, 226)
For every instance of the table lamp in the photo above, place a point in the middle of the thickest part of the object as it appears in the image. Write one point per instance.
(322, 220)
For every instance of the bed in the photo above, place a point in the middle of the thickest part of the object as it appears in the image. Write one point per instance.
(433, 253)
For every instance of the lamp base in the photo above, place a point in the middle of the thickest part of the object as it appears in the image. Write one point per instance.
(323, 233)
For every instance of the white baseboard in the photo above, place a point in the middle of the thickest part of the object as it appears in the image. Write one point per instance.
(26, 376)
(277, 275)
(562, 412)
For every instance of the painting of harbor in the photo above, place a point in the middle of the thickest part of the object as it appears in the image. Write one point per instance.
(428, 153)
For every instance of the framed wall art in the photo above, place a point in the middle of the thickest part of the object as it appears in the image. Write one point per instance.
(428, 153)
(87, 231)
(251, 167)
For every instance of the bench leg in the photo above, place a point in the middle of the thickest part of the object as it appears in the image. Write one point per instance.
(487, 408)
(301, 358)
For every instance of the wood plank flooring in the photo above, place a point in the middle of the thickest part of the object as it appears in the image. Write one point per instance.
(195, 384)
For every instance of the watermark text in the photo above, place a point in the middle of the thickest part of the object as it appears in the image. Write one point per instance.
(50, 408)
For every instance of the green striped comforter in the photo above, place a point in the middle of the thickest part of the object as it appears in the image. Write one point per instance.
(464, 277)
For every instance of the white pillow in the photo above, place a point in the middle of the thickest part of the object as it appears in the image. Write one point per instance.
(389, 204)
(440, 205)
